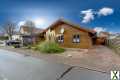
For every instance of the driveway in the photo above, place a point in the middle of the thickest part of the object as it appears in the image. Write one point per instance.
(14, 66)
(99, 58)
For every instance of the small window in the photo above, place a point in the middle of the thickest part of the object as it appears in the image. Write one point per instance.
(76, 38)
(61, 39)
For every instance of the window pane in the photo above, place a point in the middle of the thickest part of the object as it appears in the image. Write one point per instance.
(78, 36)
(78, 40)
(74, 40)
(74, 36)
(60, 39)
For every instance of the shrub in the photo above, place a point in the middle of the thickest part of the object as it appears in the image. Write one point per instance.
(28, 46)
(49, 47)
(34, 48)
(3, 37)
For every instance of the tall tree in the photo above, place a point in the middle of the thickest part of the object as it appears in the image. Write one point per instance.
(9, 29)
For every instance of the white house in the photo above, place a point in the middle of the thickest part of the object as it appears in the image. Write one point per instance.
(16, 37)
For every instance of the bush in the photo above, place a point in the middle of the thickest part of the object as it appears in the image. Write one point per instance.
(34, 48)
(49, 47)
(3, 37)
(28, 46)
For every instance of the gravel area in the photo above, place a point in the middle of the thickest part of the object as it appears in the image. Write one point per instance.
(98, 58)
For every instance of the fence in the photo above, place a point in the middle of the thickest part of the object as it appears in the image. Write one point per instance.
(114, 44)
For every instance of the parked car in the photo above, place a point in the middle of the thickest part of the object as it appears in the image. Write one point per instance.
(14, 43)
(2, 43)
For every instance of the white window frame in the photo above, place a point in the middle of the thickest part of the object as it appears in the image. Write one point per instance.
(76, 39)
(60, 39)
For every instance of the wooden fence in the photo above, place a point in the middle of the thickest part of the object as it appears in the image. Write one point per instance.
(113, 44)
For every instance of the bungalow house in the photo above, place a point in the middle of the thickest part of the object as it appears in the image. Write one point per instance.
(69, 35)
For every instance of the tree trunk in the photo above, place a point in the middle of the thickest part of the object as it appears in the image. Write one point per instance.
(10, 37)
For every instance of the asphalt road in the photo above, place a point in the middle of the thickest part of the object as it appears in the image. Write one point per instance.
(15, 66)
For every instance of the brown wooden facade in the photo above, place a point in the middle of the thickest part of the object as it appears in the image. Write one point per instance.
(73, 37)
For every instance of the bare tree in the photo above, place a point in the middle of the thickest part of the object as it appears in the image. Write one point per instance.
(31, 26)
(9, 29)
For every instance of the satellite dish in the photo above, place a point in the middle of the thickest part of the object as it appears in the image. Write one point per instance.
(62, 30)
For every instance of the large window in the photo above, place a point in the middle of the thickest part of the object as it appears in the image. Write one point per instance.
(61, 39)
(76, 38)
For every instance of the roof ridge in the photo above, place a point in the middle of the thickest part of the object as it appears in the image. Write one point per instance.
(70, 23)
(76, 25)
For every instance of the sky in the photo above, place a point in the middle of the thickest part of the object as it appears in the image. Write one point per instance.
(100, 15)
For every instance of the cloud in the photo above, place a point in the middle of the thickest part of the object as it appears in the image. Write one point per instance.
(105, 11)
(39, 22)
(88, 15)
(99, 29)
(21, 23)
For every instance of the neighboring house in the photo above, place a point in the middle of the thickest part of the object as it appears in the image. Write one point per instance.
(27, 36)
(16, 36)
(102, 37)
(69, 35)
(104, 34)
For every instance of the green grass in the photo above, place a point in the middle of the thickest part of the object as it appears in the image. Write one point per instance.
(49, 47)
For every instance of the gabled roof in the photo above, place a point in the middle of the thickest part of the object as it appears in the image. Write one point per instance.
(71, 24)
(35, 30)
(106, 33)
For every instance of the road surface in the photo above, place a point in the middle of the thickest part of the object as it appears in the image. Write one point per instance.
(14, 66)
